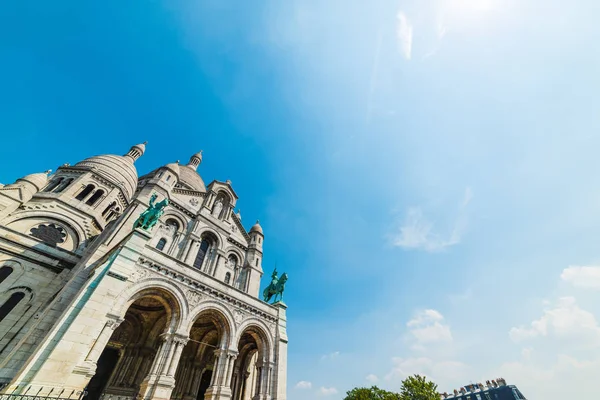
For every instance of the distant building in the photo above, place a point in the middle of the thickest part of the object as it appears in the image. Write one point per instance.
(494, 390)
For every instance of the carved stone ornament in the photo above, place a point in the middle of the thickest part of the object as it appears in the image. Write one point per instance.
(194, 297)
(140, 273)
(50, 234)
(239, 316)
(194, 202)
(180, 340)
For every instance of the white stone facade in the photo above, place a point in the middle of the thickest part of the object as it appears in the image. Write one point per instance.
(88, 303)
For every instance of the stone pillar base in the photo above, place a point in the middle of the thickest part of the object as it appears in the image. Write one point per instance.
(218, 393)
(157, 388)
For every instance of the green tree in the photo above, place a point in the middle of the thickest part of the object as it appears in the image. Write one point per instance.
(372, 393)
(417, 387)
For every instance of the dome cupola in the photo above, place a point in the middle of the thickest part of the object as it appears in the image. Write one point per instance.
(119, 170)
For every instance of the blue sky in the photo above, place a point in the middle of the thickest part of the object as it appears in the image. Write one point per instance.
(424, 171)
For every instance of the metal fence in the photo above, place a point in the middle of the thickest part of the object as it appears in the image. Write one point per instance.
(42, 394)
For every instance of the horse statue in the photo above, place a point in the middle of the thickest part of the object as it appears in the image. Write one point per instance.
(150, 217)
(276, 287)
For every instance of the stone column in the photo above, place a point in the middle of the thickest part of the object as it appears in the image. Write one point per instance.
(159, 384)
(88, 367)
(279, 378)
(194, 245)
(220, 388)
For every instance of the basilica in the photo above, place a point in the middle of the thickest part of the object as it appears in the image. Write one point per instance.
(98, 303)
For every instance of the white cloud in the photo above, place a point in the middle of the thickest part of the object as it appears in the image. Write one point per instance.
(330, 356)
(442, 372)
(565, 321)
(404, 32)
(303, 385)
(327, 391)
(416, 232)
(428, 327)
(372, 378)
(582, 276)
(565, 378)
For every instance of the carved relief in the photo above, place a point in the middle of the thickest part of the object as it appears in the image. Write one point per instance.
(139, 273)
(194, 297)
(239, 316)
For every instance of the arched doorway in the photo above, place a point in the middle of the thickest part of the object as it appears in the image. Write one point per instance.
(251, 372)
(194, 375)
(130, 352)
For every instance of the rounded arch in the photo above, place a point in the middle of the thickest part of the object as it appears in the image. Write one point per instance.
(232, 250)
(260, 333)
(206, 231)
(79, 231)
(9, 277)
(222, 315)
(168, 294)
(225, 194)
(48, 229)
(177, 216)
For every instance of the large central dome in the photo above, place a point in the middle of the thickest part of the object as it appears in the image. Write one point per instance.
(117, 169)
(189, 177)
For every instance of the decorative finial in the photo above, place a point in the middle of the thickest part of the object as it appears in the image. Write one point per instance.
(136, 151)
(195, 160)
(47, 172)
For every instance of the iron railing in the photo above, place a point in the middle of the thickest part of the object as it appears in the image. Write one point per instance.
(33, 394)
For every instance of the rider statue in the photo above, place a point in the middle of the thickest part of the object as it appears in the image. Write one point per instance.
(150, 217)
(276, 287)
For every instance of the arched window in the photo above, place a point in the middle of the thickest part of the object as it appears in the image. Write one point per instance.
(53, 184)
(232, 261)
(11, 303)
(227, 278)
(85, 192)
(63, 185)
(113, 213)
(5, 272)
(204, 246)
(161, 244)
(109, 208)
(171, 222)
(95, 197)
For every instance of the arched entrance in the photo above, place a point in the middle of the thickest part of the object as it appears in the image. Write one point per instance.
(131, 349)
(195, 372)
(252, 370)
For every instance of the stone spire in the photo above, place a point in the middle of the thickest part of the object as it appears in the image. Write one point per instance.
(136, 151)
(195, 160)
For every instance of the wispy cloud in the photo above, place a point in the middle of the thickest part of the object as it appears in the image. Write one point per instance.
(330, 356)
(303, 385)
(324, 391)
(417, 231)
(372, 378)
(582, 276)
(428, 327)
(565, 320)
(404, 32)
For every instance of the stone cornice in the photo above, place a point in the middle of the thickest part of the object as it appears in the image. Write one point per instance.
(206, 289)
(238, 223)
(237, 244)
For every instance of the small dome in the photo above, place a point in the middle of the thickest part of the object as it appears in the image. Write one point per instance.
(256, 228)
(114, 168)
(174, 167)
(38, 180)
(189, 177)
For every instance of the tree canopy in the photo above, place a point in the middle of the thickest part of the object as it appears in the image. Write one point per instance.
(372, 393)
(417, 387)
(414, 387)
